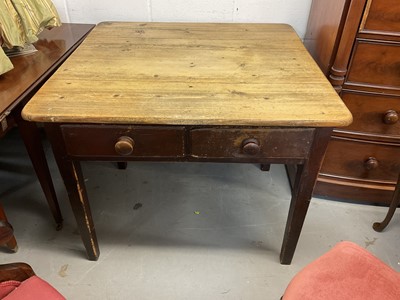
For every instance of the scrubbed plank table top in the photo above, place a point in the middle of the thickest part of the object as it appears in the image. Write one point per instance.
(191, 74)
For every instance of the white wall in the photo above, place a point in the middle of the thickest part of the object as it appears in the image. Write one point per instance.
(293, 12)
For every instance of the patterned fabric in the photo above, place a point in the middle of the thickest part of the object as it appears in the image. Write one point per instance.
(21, 21)
(5, 63)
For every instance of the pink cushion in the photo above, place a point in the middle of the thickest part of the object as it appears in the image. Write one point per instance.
(34, 288)
(347, 271)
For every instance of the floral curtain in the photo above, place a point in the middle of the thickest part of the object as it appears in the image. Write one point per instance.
(21, 21)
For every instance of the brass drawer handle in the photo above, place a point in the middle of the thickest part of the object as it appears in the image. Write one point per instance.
(371, 163)
(124, 145)
(390, 117)
(251, 146)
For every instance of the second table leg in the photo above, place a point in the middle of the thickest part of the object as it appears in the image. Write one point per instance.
(73, 179)
(302, 192)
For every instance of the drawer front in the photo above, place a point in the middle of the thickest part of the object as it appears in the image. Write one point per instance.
(381, 16)
(257, 143)
(362, 160)
(373, 113)
(376, 64)
(123, 141)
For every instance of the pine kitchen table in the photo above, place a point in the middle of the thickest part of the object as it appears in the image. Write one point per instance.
(198, 92)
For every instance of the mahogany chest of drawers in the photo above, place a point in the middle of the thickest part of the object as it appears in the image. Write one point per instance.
(357, 45)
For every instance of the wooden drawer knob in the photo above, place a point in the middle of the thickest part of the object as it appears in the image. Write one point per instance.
(390, 117)
(371, 163)
(251, 146)
(124, 145)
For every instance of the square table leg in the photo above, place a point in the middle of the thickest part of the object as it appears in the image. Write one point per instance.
(305, 180)
(73, 179)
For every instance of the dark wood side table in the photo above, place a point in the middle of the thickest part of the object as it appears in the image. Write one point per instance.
(20, 84)
(246, 93)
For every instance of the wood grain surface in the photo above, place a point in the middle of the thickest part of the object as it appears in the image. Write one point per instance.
(190, 74)
(30, 71)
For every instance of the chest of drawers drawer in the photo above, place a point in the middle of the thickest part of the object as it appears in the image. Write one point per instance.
(373, 113)
(381, 17)
(376, 64)
(366, 161)
(252, 143)
(116, 141)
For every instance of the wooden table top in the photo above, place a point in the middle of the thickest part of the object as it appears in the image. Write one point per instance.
(190, 74)
(31, 70)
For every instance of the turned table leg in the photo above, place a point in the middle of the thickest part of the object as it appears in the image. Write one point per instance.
(31, 137)
(7, 237)
(379, 226)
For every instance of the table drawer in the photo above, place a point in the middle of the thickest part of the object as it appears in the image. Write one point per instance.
(375, 63)
(373, 113)
(364, 160)
(381, 16)
(257, 143)
(123, 141)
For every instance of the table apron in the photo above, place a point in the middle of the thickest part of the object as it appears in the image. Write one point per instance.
(180, 143)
